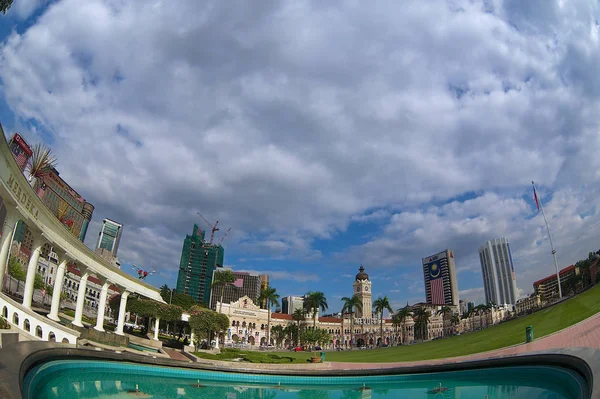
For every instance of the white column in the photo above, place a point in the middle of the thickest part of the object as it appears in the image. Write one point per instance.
(31, 271)
(57, 290)
(10, 222)
(80, 298)
(101, 307)
(156, 324)
(192, 335)
(122, 307)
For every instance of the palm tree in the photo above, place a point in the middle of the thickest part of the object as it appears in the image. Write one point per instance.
(404, 314)
(380, 305)
(298, 316)
(313, 301)
(271, 297)
(221, 279)
(421, 316)
(444, 311)
(395, 323)
(454, 321)
(350, 304)
(42, 161)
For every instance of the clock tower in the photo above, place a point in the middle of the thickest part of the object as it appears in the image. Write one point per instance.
(362, 289)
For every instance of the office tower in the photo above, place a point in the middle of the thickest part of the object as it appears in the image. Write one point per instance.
(109, 236)
(362, 289)
(74, 212)
(21, 150)
(289, 304)
(499, 282)
(439, 272)
(199, 259)
(245, 284)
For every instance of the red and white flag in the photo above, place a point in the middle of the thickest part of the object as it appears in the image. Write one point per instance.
(535, 198)
(437, 291)
(239, 283)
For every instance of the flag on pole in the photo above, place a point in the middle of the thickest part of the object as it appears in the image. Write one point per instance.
(239, 282)
(535, 197)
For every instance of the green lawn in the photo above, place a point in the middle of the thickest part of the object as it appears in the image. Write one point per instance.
(506, 334)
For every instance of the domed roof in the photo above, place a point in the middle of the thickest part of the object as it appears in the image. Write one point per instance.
(361, 274)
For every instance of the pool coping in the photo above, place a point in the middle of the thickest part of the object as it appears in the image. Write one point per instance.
(18, 359)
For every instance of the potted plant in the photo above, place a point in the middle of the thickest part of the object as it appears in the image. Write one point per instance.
(312, 336)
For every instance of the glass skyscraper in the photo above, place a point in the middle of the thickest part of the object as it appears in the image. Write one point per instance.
(499, 281)
(109, 236)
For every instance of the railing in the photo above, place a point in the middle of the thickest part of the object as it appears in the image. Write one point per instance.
(36, 326)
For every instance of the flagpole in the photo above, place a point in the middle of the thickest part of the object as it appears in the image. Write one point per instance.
(550, 238)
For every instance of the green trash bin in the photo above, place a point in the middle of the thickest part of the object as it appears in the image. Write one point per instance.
(528, 333)
(322, 356)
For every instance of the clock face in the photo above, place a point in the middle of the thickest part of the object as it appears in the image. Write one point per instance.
(357, 289)
(366, 288)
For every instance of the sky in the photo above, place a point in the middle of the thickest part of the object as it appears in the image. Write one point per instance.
(325, 134)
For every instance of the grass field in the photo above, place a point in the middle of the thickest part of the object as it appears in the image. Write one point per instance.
(509, 333)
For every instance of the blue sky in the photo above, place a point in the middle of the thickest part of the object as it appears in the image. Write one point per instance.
(325, 135)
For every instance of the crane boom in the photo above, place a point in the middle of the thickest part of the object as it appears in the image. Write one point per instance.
(224, 235)
(213, 228)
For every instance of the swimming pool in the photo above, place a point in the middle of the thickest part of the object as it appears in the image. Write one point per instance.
(110, 379)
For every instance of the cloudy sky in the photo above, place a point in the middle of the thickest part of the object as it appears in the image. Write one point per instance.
(325, 135)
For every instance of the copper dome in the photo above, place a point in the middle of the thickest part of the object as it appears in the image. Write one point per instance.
(361, 274)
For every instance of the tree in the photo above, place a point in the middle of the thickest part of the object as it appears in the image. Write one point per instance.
(5, 5)
(312, 336)
(350, 304)
(205, 321)
(184, 301)
(16, 271)
(454, 321)
(403, 314)
(299, 316)
(444, 311)
(42, 161)
(380, 305)
(421, 316)
(313, 301)
(278, 334)
(165, 293)
(38, 282)
(221, 279)
(271, 297)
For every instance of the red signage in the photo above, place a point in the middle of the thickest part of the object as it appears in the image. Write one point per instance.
(17, 137)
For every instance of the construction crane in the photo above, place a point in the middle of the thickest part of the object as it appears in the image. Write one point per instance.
(224, 235)
(213, 228)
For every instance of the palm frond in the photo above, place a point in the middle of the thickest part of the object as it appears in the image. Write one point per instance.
(42, 161)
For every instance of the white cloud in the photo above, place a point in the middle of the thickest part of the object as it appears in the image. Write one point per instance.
(289, 122)
(299, 277)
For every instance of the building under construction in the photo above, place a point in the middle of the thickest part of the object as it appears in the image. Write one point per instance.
(199, 259)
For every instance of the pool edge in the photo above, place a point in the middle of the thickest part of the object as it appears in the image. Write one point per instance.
(18, 359)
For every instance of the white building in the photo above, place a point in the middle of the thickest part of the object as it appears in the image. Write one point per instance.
(499, 282)
(290, 304)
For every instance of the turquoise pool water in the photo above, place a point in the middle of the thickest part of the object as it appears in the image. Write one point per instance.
(141, 347)
(101, 379)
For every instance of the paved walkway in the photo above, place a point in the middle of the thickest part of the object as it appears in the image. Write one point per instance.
(583, 334)
(175, 354)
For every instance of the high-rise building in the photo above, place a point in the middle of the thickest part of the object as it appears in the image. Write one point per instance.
(497, 268)
(199, 259)
(20, 150)
(289, 304)
(362, 289)
(74, 212)
(439, 272)
(245, 284)
(110, 236)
